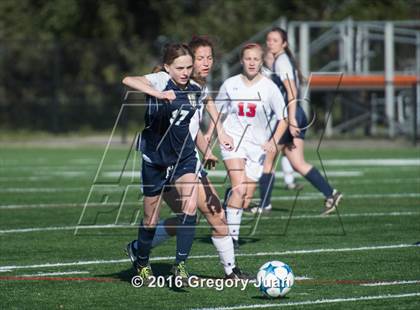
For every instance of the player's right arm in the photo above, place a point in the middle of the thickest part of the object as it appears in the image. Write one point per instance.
(145, 84)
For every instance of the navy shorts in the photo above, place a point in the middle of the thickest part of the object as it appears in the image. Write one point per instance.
(302, 121)
(156, 177)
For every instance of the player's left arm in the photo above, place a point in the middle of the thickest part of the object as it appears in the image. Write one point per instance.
(215, 122)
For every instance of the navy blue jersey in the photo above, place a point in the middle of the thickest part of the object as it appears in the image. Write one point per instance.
(166, 138)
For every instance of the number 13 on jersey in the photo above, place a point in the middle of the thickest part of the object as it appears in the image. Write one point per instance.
(247, 109)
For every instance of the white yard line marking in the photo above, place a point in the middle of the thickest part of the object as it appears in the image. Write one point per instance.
(263, 217)
(378, 181)
(314, 302)
(43, 189)
(34, 229)
(374, 214)
(164, 258)
(372, 162)
(42, 205)
(222, 173)
(42, 164)
(391, 283)
(308, 196)
(42, 274)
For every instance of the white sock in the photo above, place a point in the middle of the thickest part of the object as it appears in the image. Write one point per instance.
(224, 247)
(161, 234)
(234, 217)
(287, 171)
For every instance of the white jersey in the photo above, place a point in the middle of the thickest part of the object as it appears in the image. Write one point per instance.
(250, 108)
(284, 69)
(198, 116)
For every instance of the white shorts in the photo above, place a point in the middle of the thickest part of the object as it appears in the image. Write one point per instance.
(253, 154)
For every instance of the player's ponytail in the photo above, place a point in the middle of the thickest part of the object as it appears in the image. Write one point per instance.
(158, 68)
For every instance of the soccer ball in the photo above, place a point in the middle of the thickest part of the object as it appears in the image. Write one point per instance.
(275, 279)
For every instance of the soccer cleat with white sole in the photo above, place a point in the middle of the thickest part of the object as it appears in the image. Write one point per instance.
(332, 202)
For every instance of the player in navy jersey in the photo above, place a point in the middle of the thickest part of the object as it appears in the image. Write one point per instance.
(208, 200)
(169, 155)
(287, 77)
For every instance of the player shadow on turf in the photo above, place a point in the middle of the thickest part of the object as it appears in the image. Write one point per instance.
(159, 269)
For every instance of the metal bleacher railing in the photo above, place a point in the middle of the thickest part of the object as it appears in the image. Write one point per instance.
(380, 59)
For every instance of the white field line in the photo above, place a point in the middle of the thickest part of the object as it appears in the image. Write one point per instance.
(24, 179)
(263, 217)
(358, 181)
(119, 187)
(314, 302)
(42, 205)
(308, 196)
(43, 189)
(372, 162)
(165, 258)
(311, 196)
(373, 214)
(391, 283)
(42, 274)
(222, 173)
(10, 164)
(378, 181)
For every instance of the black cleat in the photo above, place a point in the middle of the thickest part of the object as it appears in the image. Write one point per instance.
(238, 274)
(332, 202)
(145, 273)
(180, 270)
(131, 251)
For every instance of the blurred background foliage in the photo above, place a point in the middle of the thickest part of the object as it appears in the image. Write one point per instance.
(62, 61)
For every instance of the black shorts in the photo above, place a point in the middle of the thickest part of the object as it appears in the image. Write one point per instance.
(302, 121)
(156, 177)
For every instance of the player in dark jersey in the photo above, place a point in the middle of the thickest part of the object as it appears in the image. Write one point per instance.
(168, 152)
(287, 77)
(208, 201)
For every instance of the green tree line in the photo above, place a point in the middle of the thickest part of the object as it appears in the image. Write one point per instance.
(62, 61)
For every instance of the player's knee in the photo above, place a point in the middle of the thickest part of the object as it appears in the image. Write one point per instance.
(219, 228)
(247, 202)
(190, 207)
(239, 191)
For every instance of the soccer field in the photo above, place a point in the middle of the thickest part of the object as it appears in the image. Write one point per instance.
(365, 257)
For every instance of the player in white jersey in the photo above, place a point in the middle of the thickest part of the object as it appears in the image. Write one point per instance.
(287, 77)
(208, 200)
(250, 100)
